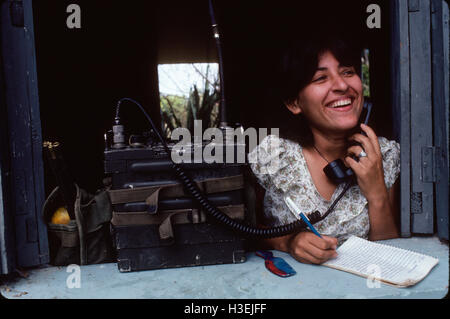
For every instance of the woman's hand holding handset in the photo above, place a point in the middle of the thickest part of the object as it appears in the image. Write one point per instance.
(370, 178)
(369, 170)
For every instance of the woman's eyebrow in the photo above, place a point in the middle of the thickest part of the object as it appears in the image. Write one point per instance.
(340, 66)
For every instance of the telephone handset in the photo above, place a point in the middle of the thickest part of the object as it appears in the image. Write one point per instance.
(336, 170)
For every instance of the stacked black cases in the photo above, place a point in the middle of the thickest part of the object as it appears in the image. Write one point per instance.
(195, 239)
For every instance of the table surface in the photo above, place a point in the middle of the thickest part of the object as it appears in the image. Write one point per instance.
(248, 280)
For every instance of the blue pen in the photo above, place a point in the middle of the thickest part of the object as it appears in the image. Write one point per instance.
(290, 203)
(306, 220)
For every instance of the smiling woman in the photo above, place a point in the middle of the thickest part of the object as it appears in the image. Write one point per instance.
(321, 87)
(333, 100)
(300, 67)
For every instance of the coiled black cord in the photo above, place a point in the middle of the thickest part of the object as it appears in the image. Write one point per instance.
(235, 225)
(218, 215)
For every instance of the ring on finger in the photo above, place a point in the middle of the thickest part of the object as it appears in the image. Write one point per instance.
(362, 154)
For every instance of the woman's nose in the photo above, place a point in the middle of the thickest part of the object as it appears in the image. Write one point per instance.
(339, 84)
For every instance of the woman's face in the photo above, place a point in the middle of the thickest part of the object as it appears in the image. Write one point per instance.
(333, 100)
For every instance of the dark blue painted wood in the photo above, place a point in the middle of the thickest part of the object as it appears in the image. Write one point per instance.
(7, 244)
(419, 73)
(401, 104)
(422, 190)
(25, 141)
(440, 55)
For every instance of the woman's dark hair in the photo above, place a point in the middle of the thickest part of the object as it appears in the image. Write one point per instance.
(299, 61)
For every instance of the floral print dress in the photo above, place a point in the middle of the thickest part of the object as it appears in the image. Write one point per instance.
(281, 169)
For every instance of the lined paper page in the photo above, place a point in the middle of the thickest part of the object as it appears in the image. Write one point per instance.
(386, 263)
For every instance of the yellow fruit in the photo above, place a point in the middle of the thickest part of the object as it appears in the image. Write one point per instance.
(61, 216)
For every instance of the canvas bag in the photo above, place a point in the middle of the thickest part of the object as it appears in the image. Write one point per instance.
(85, 240)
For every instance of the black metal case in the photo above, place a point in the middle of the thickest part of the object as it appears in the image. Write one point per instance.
(139, 245)
(140, 248)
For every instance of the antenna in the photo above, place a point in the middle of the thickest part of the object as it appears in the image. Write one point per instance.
(222, 106)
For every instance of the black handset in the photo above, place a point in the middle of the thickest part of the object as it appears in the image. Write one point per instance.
(365, 113)
(336, 170)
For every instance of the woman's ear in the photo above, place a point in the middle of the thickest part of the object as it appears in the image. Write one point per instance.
(293, 106)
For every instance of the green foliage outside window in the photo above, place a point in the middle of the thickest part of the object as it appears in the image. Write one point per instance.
(202, 103)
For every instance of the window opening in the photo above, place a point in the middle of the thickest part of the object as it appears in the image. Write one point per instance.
(188, 92)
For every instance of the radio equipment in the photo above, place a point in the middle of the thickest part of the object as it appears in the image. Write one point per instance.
(156, 222)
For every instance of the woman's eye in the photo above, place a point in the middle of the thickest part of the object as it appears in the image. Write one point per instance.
(320, 78)
(349, 72)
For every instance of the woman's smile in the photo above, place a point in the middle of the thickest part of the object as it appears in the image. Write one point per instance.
(343, 112)
(344, 104)
(340, 103)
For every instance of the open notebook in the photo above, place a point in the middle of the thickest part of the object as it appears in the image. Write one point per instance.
(391, 265)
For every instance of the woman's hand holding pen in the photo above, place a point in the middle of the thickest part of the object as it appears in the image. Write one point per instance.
(307, 247)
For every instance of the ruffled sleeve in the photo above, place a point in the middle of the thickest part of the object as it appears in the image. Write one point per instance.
(390, 151)
(271, 162)
(279, 166)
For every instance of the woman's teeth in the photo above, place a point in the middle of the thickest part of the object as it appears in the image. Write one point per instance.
(340, 103)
